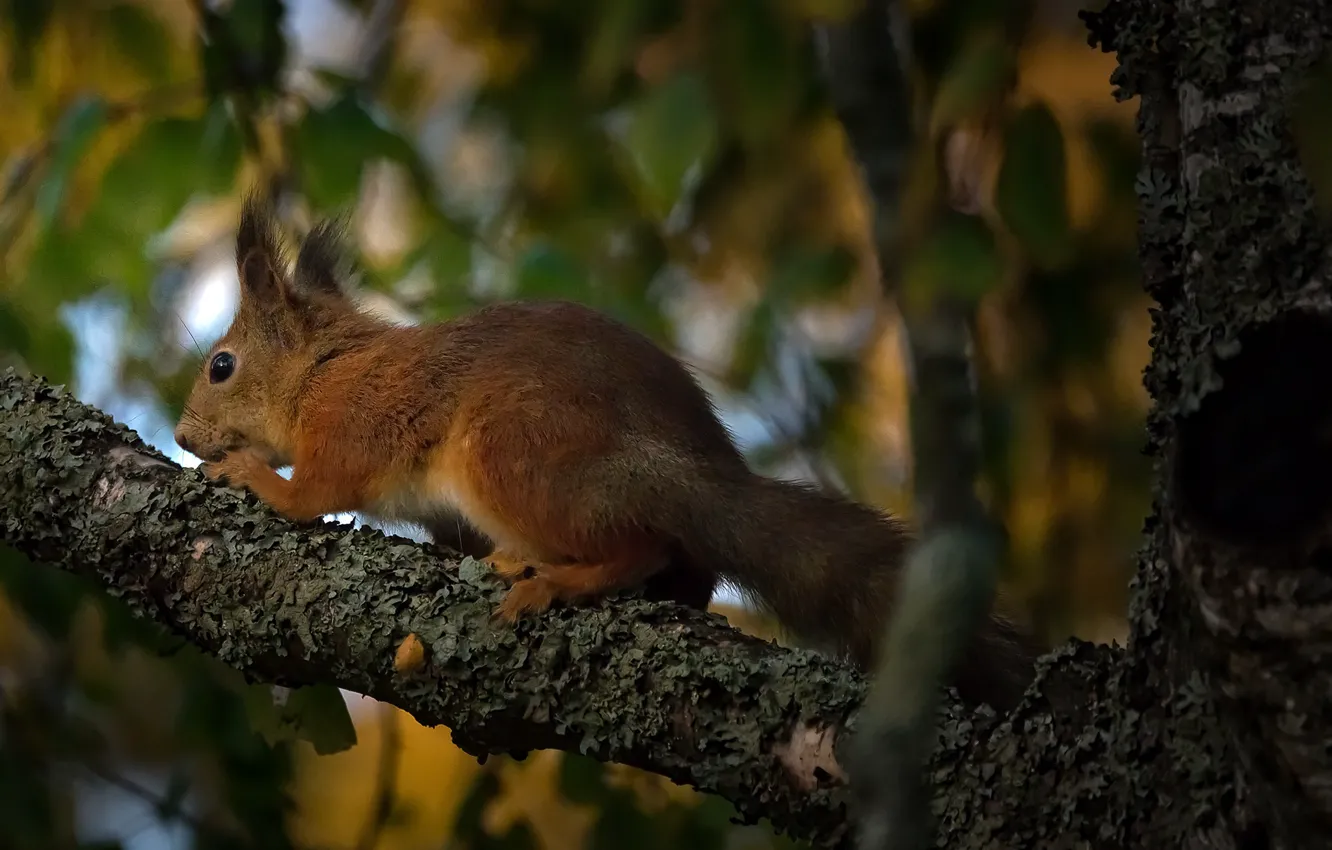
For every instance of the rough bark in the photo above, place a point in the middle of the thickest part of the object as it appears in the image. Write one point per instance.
(675, 691)
(655, 686)
(1231, 640)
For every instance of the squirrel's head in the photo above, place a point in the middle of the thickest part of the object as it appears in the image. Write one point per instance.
(245, 393)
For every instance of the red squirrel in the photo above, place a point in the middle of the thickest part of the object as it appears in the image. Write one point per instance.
(584, 454)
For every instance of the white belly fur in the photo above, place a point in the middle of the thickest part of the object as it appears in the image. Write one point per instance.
(431, 498)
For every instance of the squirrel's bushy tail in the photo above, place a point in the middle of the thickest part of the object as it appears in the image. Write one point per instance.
(828, 569)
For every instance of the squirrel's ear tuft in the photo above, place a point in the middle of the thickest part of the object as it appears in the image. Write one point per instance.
(259, 255)
(324, 260)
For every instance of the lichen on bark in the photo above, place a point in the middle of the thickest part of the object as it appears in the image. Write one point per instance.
(672, 691)
(675, 691)
(1231, 622)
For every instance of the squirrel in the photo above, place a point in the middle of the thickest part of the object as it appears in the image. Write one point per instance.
(565, 448)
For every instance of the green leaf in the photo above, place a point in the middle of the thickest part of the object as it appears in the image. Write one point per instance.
(998, 433)
(804, 272)
(265, 713)
(330, 148)
(27, 808)
(141, 193)
(469, 823)
(13, 332)
(243, 49)
(256, 27)
(69, 263)
(1031, 190)
(959, 259)
(632, 308)
(51, 353)
(582, 779)
(121, 629)
(761, 73)
(449, 258)
(48, 597)
(74, 133)
(672, 134)
(1118, 153)
(317, 714)
(28, 21)
(221, 148)
(254, 22)
(708, 827)
(146, 187)
(33, 329)
(140, 37)
(975, 78)
(322, 718)
(612, 38)
(621, 823)
(754, 347)
(1068, 303)
(546, 272)
(469, 828)
(333, 143)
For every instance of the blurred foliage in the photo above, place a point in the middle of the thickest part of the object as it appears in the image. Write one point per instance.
(673, 162)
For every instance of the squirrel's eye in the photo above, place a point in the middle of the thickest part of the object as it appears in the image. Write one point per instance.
(224, 363)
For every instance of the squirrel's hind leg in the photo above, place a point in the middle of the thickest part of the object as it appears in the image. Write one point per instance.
(536, 585)
(454, 533)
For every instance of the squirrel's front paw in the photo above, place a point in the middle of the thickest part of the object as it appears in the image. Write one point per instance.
(236, 469)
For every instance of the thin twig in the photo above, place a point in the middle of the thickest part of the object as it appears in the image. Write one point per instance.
(158, 802)
(948, 581)
(378, 36)
(386, 786)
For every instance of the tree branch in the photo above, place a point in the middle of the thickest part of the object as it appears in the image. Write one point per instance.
(669, 690)
(948, 582)
(862, 61)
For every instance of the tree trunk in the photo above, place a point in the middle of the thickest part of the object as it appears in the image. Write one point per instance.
(1211, 731)
(1228, 680)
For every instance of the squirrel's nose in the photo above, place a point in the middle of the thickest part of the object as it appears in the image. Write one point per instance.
(183, 441)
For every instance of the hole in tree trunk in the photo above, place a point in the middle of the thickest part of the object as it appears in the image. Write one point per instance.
(1253, 464)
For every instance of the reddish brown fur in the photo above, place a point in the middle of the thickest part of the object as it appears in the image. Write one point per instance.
(585, 454)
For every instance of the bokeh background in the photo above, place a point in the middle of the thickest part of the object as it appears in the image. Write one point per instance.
(673, 162)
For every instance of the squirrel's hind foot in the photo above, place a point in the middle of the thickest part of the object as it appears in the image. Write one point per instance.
(529, 590)
(535, 586)
(529, 596)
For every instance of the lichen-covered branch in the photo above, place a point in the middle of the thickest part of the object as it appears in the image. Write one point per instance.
(672, 691)
(1077, 764)
(676, 692)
